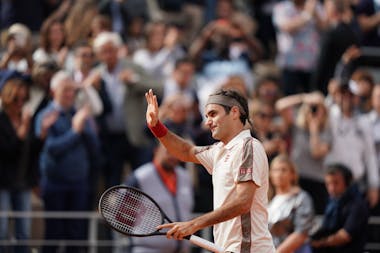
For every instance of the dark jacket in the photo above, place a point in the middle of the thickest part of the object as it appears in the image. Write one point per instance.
(349, 212)
(15, 172)
(66, 156)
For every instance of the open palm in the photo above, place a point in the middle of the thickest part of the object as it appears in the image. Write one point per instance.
(152, 109)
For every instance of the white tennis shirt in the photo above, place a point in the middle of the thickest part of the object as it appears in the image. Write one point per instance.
(240, 160)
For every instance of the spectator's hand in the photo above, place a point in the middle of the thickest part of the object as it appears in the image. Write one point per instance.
(47, 121)
(351, 53)
(209, 30)
(171, 37)
(94, 80)
(373, 197)
(79, 119)
(333, 87)
(62, 54)
(127, 76)
(313, 98)
(310, 6)
(152, 109)
(317, 243)
(14, 50)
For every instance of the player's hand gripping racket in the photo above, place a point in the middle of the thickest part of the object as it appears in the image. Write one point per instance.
(134, 213)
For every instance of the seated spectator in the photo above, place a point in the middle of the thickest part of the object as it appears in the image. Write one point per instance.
(170, 185)
(310, 140)
(71, 146)
(345, 219)
(290, 209)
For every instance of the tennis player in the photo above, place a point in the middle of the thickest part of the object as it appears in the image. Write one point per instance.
(239, 168)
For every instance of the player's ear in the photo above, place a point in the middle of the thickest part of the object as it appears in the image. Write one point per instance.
(235, 112)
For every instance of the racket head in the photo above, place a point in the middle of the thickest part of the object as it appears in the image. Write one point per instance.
(131, 211)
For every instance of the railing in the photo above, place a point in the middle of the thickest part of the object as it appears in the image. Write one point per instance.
(93, 243)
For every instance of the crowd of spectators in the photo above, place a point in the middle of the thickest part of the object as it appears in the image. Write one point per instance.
(73, 75)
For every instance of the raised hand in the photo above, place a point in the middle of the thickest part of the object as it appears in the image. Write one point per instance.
(48, 120)
(152, 108)
(79, 119)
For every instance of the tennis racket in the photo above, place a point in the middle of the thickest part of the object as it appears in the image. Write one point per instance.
(134, 213)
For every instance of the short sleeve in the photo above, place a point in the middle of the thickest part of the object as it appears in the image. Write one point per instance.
(205, 155)
(249, 168)
(304, 213)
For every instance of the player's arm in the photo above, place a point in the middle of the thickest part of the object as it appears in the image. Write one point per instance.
(238, 205)
(176, 145)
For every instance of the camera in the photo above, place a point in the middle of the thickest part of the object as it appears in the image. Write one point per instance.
(314, 109)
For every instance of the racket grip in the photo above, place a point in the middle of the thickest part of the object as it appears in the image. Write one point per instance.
(205, 244)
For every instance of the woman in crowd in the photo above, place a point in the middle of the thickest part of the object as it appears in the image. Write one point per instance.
(290, 208)
(52, 43)
(16, 180)
(310, 140)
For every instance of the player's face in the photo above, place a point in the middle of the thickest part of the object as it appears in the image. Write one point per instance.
(218, 121)
(335, 185)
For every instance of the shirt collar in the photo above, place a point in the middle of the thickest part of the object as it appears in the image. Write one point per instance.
(242, 135)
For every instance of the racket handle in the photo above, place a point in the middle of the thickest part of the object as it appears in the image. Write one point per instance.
(205, 244)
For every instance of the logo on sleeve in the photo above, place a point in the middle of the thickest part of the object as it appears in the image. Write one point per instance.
(245, 171)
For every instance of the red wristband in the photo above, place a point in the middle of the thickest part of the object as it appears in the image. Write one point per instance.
(159, 130)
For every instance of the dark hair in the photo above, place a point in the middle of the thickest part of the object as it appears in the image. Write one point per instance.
(244, 115)
(336, 168)
(183, 60)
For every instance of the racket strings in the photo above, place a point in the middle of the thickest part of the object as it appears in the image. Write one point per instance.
(130, 212)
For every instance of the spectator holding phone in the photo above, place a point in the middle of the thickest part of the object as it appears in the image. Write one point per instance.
(310, 140)
(18, 54)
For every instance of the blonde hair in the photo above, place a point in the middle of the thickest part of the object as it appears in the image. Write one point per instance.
(283, 158)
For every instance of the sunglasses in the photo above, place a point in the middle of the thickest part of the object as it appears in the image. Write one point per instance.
(20, 99)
